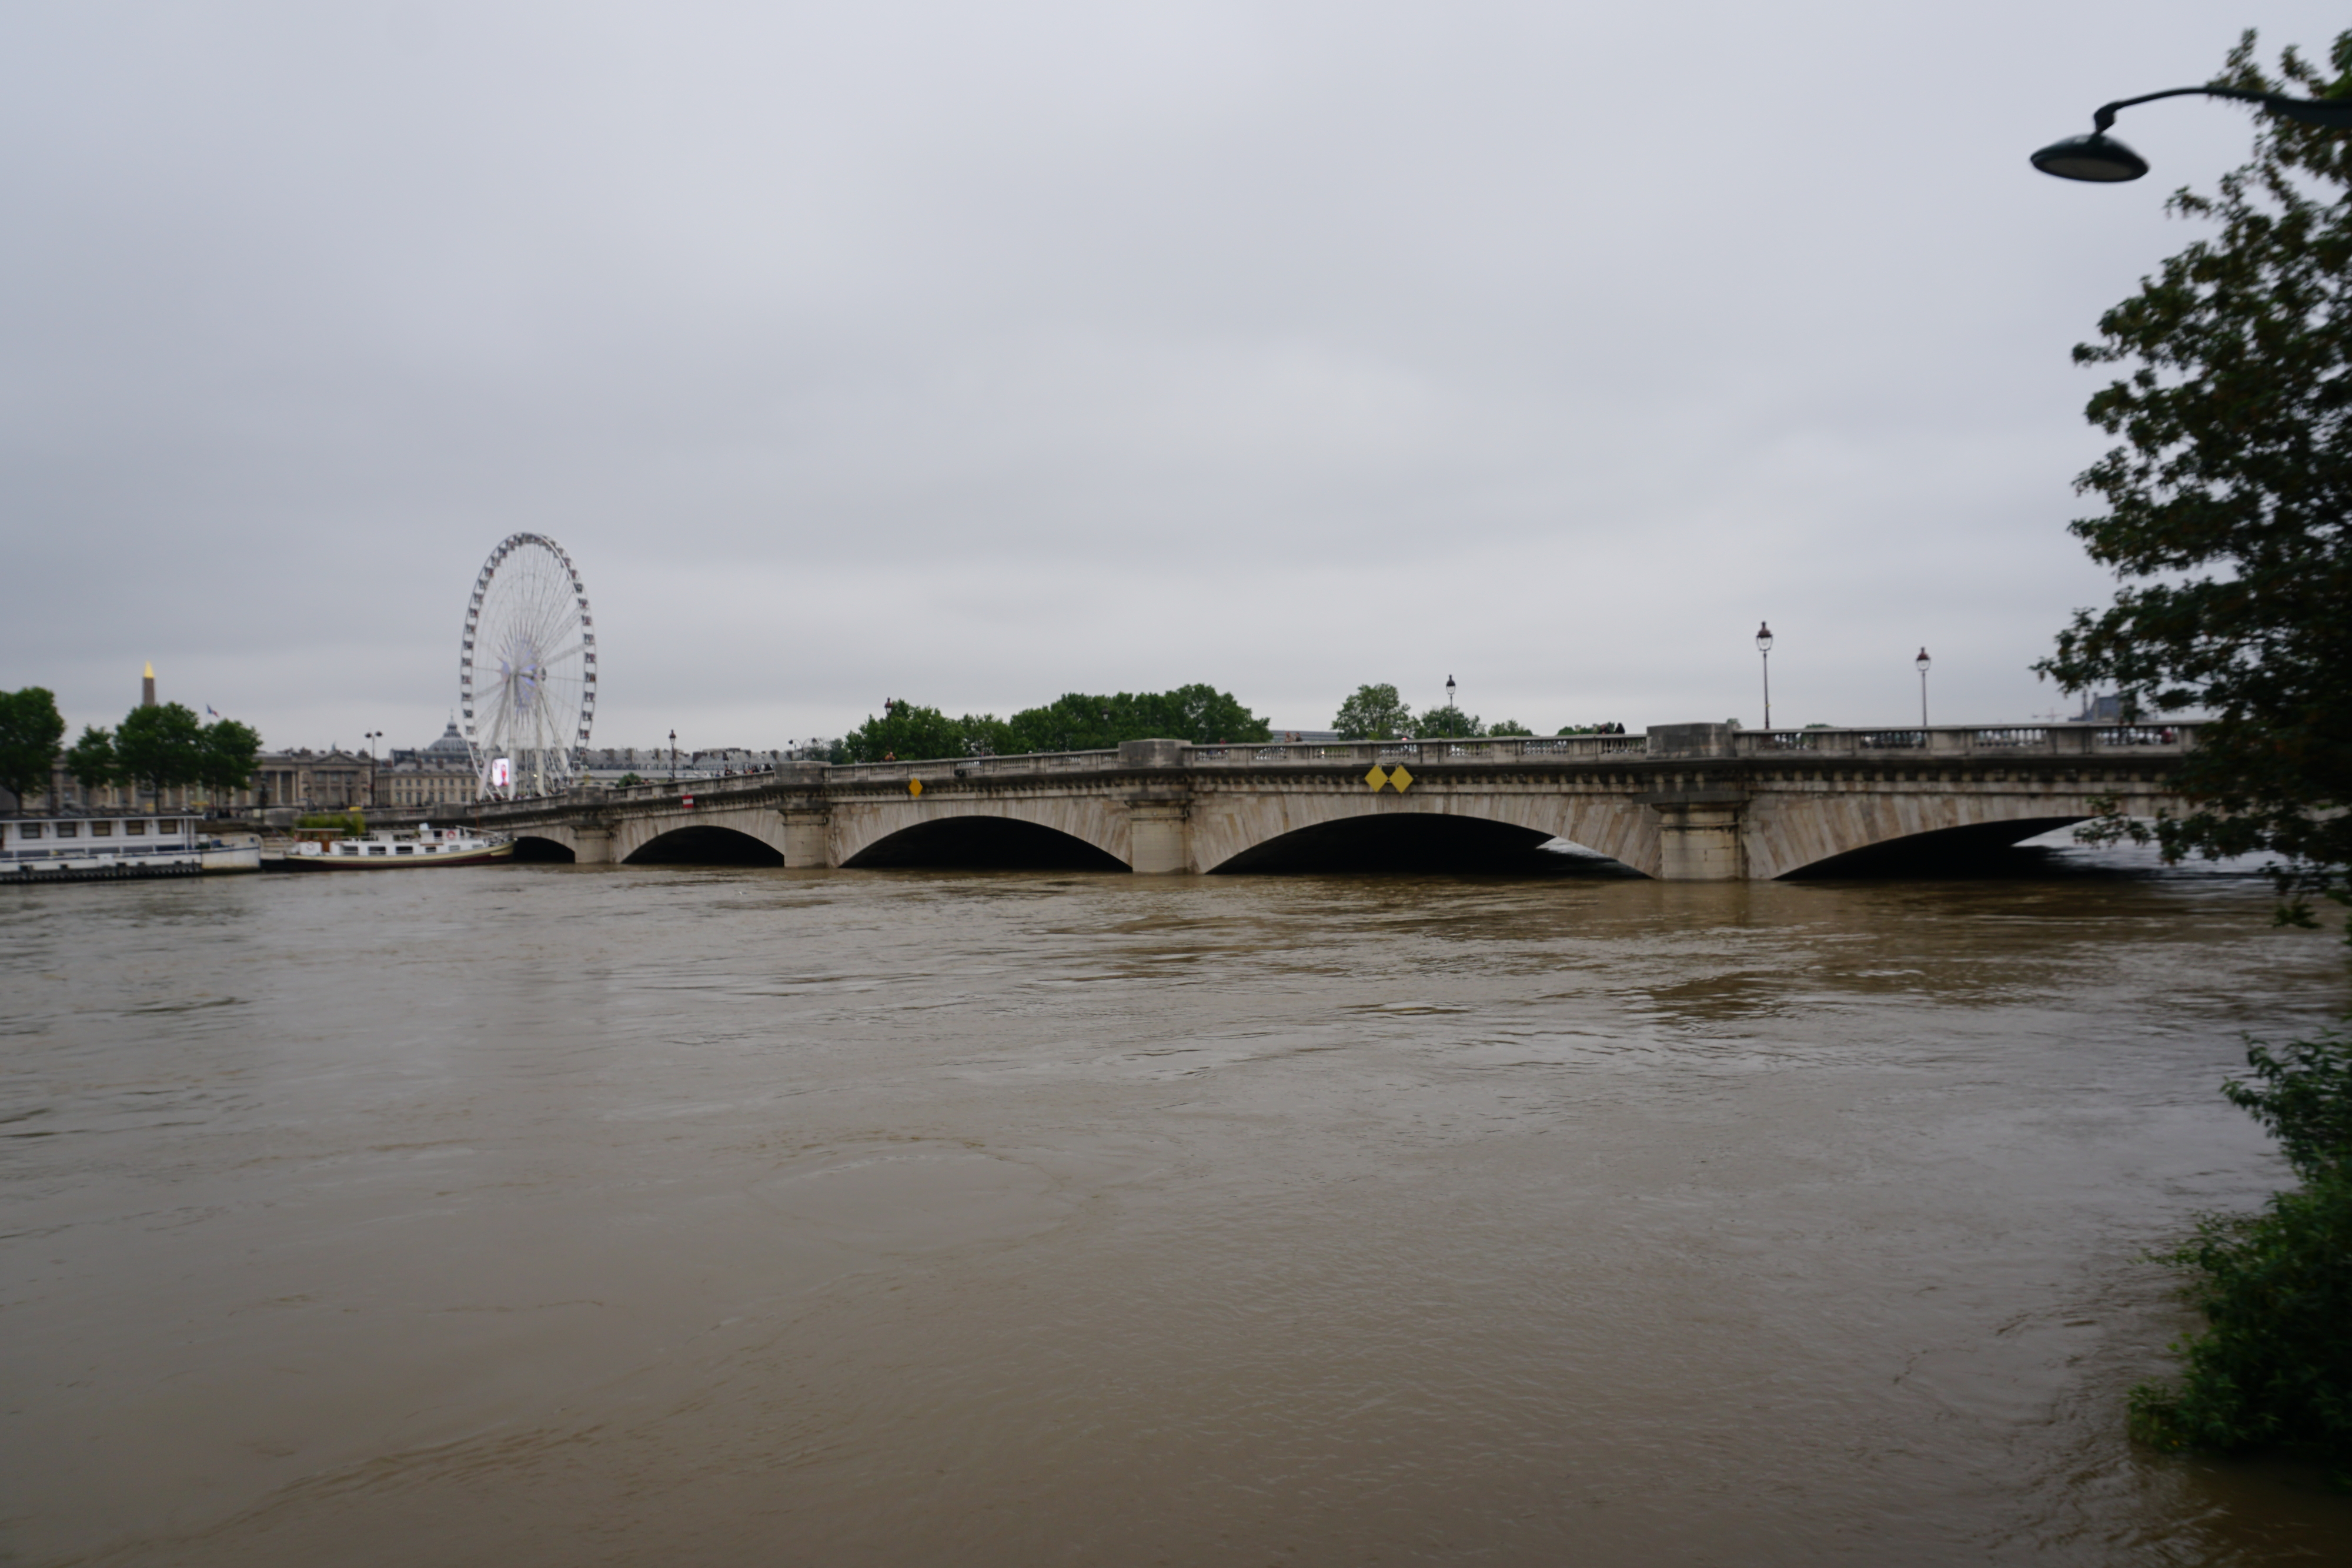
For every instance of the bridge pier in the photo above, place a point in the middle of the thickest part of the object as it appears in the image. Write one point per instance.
(592, 844)
(1157, 836)
(1700, 835)
(808, 838)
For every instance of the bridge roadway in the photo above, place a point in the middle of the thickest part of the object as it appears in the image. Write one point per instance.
(1682, 803)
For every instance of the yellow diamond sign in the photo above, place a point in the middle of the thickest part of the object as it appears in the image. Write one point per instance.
(914, 786)
(1376, 777)
(1400, 780)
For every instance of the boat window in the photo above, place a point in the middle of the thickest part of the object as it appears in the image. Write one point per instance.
(375, 848)
(404, 849)
(30, 830)
(134, 828)
(68, 829)
(101, 830)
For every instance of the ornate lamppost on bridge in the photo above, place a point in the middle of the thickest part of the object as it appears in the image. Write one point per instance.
(372, 737)
(1764, 646)
(673, 756)
(1921, 664)
(2102, 159)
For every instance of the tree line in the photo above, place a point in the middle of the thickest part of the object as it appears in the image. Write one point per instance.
(1076, 721)
(158, 748)
(1377, 712)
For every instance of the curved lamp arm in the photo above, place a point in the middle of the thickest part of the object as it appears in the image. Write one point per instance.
(2310, 110)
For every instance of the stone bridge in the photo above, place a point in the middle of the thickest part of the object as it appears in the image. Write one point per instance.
(1684, 802)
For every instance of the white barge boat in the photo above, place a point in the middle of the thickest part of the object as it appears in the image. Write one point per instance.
(94, 848)
(428, 846)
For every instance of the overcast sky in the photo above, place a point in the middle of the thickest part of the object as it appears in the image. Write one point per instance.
(972, 354)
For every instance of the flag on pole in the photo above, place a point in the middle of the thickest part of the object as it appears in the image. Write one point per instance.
(212, 710)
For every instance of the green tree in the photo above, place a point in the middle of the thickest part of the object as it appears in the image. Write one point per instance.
(30, 729)
(2228, 503)
(1078, 721)
(159, 747)
(92, 759)
(1502, 726)
(1448, 723)
(1200, 713)
(2272, 1367)
(227, 756)
(909, 732)
(1374, 713)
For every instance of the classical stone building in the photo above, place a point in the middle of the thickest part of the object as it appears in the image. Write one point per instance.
(428, 776)
(329, 780)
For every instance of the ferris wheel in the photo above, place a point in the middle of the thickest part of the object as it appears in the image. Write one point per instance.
(527, 673)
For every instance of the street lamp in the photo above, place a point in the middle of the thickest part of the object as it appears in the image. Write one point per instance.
(372, 737)
(673, 756)
(1449, 691)
(1921, 664)
(1764, 646)
(2102, 159)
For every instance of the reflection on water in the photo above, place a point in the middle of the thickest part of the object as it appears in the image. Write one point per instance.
(553, 1215)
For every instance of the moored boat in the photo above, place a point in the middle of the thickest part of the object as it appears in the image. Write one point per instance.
(102, 848)
(428, 846)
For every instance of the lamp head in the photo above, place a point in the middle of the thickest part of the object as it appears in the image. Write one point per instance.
(2098, 158)
(1763, 638)
(1922, 661)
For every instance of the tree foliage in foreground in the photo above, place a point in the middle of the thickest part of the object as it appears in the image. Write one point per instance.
(2272, 1368)
(30, 729)
(2228, 502)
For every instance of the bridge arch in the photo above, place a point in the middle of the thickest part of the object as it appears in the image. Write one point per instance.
(1397, 841)
(983, 840)
(549, 848)
(1437, 829)
(982, 832)
(704, 844)
(1832, 835)
(1939, 849)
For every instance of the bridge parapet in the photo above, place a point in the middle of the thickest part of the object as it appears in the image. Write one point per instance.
(1973, 740)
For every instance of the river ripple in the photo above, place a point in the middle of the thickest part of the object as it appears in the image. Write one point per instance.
(608, 1215)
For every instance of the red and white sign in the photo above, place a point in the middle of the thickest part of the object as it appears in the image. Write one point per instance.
(687, 801)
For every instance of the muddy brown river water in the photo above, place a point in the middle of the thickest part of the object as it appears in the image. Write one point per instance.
(555, 1216)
